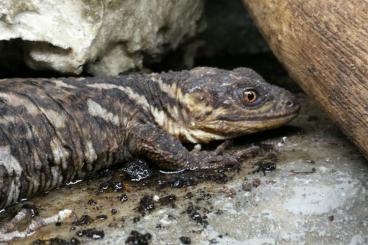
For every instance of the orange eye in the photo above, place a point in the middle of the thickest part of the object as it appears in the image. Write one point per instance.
(249, 96)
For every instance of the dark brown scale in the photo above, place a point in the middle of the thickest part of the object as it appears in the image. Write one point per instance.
(4, 183)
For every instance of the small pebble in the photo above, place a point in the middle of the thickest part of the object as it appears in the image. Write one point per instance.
(246, 186)
(185, 240)
(256, 183)
(101, 217)
(136, 238)
(123, 197)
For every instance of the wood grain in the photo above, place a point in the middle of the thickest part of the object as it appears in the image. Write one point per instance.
(324, 47)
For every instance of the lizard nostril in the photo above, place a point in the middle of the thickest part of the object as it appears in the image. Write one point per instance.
(289, 103)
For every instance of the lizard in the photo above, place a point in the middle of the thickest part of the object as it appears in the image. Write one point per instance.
(56, 130)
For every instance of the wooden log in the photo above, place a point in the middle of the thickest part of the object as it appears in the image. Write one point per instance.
(324, 47)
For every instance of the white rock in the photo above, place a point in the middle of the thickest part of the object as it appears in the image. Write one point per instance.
(104, 37)
(319, 199)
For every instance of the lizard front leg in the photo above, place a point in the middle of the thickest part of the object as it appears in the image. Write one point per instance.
(155, 144)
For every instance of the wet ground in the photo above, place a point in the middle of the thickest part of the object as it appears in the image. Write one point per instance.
(310, 188)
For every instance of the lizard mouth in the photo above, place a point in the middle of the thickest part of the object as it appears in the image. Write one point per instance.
(236, 126)
(286, 115)
(278, 119)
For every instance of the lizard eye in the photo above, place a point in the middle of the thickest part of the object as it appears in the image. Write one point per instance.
(249, 96)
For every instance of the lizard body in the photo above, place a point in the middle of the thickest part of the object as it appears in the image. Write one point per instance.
(53, 131)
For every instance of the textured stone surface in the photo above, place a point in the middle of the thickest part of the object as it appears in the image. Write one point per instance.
(101, 36)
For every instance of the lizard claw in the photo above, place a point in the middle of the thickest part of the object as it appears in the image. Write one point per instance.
(223, 146)
(249, 152)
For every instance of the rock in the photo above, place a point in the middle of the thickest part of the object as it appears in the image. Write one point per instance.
(103, 37)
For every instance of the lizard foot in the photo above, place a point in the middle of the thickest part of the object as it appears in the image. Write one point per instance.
(220, 159)
(21, 215)
(211, 160)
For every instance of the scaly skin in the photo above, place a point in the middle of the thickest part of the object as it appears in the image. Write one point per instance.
(53, 131)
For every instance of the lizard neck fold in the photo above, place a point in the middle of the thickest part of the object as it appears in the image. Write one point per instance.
(166, 104)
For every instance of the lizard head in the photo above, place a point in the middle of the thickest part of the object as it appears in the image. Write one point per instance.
(224, 104)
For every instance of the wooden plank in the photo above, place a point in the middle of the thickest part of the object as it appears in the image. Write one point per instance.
(324, 47)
